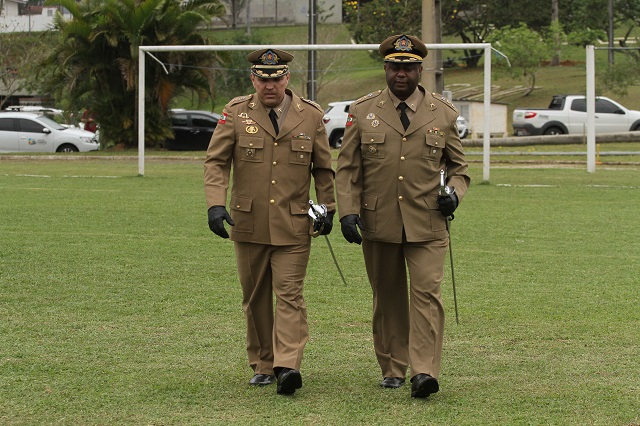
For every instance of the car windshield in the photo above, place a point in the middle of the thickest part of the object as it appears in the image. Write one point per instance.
(51, 123)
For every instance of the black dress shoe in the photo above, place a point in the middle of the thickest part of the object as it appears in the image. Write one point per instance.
(288, 381)
(392, 382)
(262, 380)
(423, 385)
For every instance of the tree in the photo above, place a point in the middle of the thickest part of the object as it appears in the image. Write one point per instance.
(525, 49)
(376, 20)
(95, 63)
(474, 20)
(19, 55)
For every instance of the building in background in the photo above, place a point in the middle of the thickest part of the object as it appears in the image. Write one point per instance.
(279, 12)
(17, 16)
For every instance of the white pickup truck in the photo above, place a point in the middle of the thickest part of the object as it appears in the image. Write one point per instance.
(567, 114)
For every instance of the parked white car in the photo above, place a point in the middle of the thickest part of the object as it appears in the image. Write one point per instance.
(335, 121)
(35, 132)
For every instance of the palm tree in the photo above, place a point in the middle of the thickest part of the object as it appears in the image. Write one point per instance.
(95, 63)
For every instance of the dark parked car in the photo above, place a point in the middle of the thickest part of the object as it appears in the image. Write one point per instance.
(192, 130)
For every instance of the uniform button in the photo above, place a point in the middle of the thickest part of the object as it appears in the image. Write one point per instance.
(272, 202)
(301, 156)
(400, 198)
(273, 182)
(366, 204)
(404, 139)
(372, 140)
(275, 162)
(237, 206)
(302, 147)
(400, 177)
(402, 158)
(434, 151)
(436, 143)
(275, 144)
(250, 144)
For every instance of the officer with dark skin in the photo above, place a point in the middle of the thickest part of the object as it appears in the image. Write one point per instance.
(396, 143)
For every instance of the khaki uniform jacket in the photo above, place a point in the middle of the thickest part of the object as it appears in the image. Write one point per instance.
(271, 175)
(391, 177)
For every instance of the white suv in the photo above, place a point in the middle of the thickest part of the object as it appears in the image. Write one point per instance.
(35, 132)
(335, 121)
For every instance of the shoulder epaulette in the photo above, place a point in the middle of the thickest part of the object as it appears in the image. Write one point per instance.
(239, 99)
(315, 104)
(367, 96)
(445, 101)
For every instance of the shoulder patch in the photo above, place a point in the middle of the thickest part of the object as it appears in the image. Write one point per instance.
(239, 99)
(367, 96)
(315, 104)
(445, 101)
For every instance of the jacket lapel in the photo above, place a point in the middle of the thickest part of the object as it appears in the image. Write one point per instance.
(259, 115)
(294, 115)
(387, 113)
(424, 114)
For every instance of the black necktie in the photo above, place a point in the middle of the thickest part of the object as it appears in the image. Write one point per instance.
(274, 120)
(403, 115)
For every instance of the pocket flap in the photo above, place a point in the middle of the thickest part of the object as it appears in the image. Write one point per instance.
(435, 138)
(250, 142)
(298, 207)
(370, 137)
(369, 201)
(301, 145)
(242, 204)
(431, 202)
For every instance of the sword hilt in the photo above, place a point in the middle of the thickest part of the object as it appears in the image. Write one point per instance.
(317, 212)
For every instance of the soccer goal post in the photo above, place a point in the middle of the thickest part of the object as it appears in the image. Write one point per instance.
(143, 50)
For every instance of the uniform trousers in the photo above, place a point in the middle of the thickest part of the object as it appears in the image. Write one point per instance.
(407, 330)
(273, 340)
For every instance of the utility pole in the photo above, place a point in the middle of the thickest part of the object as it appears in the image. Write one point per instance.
(248, 17)
(432, 77)
(233, 14)
(311, 79)
(610, 32)
(555, 17)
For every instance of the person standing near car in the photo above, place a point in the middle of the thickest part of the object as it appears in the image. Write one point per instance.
(396, 143)
(275, 141)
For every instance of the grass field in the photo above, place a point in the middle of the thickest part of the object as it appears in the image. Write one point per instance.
(120, 307)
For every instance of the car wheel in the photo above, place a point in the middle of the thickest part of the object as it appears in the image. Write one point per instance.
(67, 148)
(553, 131)
(336, 139)
(465, 134)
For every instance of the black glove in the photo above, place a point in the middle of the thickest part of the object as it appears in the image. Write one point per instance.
(447, 204)
(349, 230)
(324, 225)
(217, 216)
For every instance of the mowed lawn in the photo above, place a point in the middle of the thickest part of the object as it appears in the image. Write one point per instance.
(119, 306)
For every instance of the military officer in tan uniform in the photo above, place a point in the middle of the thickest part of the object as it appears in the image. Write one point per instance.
(396, 142)
(275, 141)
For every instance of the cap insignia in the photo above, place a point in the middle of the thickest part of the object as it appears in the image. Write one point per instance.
(403, 44)
(269, 58)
